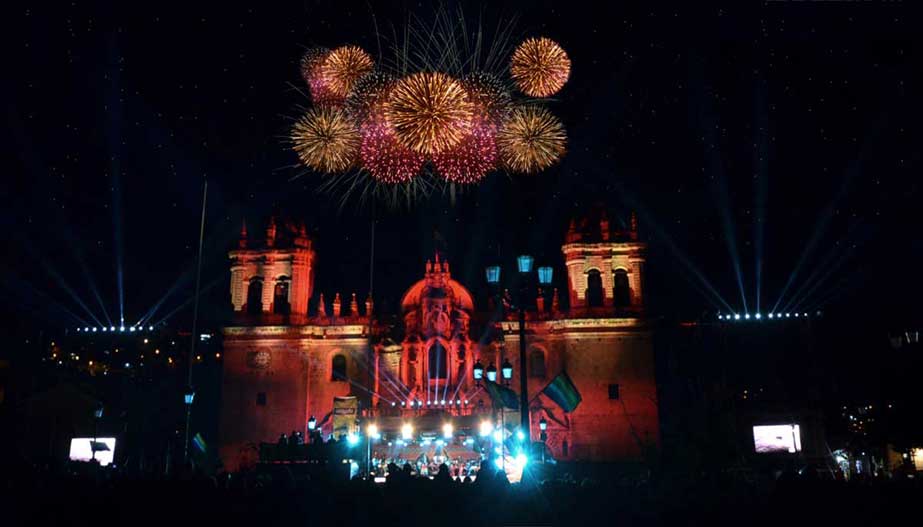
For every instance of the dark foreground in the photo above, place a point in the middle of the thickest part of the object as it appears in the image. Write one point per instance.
(79, 497)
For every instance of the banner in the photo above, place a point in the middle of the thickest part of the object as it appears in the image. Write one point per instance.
(345, 412)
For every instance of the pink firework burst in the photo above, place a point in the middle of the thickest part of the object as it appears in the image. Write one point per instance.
(384, 157)
(470, 160)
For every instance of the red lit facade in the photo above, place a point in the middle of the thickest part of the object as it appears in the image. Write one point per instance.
(284, 364)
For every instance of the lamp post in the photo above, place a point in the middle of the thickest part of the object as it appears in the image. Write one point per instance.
(524, 264)
(97, 415)
(188, 397)
(543, 426)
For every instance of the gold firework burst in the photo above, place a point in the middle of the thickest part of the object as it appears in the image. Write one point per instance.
(530, 140)
(325, 139)
(540, 67)
(343, 67)
(430, 112)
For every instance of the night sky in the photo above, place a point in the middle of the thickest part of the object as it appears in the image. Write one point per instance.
(779, 133)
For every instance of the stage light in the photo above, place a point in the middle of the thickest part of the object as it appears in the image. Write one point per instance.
(486, 428)
(373, 431)
(407, 431)
(105, 329)
(440, 442)
(720, 316)
(127, 365)
(112, 328)
(747, 316)
(352, 439)
(796, 315)
(520, 435)
(466, 401)
(132, 328)
(87, 329)
(736, 316)
(805, 314)
(770, 315)
(94, 330)
(788, 315)
(393, 404)
(447, 430)
(759, 316)
(443, 402)
(150, 328)
(498, 435)
(521, 459)
(312, 423)
(499, 462)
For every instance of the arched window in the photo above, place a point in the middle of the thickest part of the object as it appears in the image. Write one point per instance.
(280, 303)
(594, 288)
(536, 363)
(437, 361)
(255, 296)
(338, 370)
(622, 292)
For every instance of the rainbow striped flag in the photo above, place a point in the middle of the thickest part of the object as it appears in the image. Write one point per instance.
(562, 391)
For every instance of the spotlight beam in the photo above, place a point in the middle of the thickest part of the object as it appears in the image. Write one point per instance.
(708, 122)
(760, 183)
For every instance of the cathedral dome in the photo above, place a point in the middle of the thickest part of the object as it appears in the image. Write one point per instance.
(437, 285)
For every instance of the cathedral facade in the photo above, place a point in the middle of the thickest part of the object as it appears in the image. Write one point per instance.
(284, 365)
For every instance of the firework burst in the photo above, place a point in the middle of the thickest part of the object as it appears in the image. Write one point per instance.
(489, 96)
(383, 156)
(368, 95)
(471, 159)
(343, 67)
(531, 139)
(540, 67)
(311, 63)
(429, 112)
(325, 139)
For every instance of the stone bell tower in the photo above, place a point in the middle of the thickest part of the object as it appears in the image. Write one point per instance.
(605, 267)
(272, 274)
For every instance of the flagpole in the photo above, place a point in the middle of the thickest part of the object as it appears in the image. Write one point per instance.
(195, 320)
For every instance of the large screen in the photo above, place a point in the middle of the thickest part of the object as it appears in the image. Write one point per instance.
(769, 439)
(81, 449)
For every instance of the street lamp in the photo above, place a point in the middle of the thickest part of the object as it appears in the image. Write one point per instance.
(524, 264)
(507, 370)
(492, 373)
(188, 397)
(478, 372)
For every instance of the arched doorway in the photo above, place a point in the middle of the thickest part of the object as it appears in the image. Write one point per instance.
(280, 303)
(594, 288)
(437, 361)
(622, 291)
(255, 296)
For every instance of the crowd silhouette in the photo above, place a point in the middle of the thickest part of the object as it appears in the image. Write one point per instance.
(278, 494)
